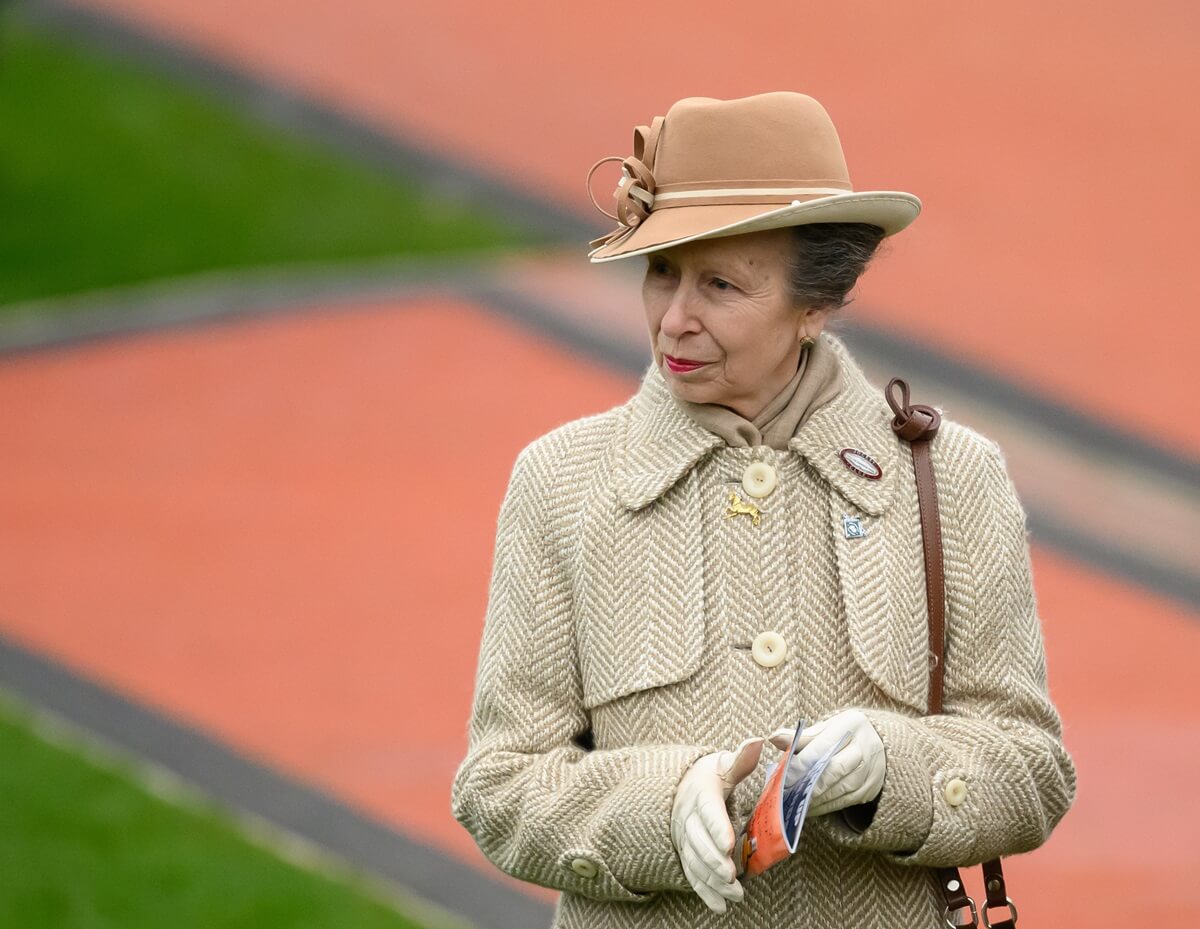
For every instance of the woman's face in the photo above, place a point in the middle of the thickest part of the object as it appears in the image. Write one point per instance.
(727, 302)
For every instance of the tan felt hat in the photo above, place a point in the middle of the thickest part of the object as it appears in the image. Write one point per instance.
(722, 167)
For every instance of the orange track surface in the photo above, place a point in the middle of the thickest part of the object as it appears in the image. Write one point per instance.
(1054, 145)
(281, 531)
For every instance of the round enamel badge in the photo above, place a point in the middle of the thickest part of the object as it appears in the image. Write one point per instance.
(861, 463)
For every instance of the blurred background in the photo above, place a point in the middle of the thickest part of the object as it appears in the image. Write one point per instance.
(284, 288)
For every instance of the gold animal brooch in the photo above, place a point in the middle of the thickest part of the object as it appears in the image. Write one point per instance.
(738, 506)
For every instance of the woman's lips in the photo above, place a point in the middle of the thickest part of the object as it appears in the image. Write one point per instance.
(680, 365)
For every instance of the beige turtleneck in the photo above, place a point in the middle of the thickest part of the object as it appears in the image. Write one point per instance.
(817, 381)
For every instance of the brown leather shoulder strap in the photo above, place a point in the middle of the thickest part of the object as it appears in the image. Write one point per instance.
(917, 424)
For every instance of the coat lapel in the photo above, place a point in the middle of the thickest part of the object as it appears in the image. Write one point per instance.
(661, 444)
(641, 603)
(884, 598)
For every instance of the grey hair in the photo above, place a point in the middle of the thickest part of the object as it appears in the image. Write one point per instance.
(827, 260)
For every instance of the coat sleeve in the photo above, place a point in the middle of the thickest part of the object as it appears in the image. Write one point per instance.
(999, 733)
(534, 799)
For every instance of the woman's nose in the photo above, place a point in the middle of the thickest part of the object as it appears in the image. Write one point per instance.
(679, 317)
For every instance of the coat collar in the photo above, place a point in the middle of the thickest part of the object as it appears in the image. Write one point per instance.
(661, 443)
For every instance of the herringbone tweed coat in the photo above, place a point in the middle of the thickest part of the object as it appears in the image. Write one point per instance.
(623, 603)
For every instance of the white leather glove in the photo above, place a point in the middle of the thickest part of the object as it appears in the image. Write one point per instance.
(855, 775)
(700, 826)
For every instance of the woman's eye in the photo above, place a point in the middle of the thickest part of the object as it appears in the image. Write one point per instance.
(722, 284)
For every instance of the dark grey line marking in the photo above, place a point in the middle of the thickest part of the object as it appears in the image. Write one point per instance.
(997, 391)
(1181, 586)
(539, 317)
(255, 788)
(443, 174)
(217, 296)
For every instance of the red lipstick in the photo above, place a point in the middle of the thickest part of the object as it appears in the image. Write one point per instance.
(683, 365)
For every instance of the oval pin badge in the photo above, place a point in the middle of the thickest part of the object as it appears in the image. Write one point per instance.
(861, 463)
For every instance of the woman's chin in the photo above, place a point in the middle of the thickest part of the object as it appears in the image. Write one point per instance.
(687, 392)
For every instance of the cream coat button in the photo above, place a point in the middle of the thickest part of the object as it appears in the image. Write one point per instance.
(768, 649)
(759, 479)
(956, 791)
(584, 867)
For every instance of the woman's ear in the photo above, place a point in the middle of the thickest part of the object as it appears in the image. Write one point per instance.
(813, 322)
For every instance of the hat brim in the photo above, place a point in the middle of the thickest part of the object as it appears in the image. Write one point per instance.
(891, 210)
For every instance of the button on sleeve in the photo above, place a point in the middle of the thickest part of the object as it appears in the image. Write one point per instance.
(956, 791)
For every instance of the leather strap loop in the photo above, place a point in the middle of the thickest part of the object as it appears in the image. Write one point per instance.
(913, 422)
(635, 191)
(997, 896)
(955, 894)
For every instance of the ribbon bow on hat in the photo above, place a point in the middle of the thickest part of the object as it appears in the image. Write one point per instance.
(635, 190)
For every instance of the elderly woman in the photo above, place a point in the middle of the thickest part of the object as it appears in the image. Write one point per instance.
(681, 578)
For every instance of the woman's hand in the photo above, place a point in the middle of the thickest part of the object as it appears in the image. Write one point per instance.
(700, 826)
(855, 775)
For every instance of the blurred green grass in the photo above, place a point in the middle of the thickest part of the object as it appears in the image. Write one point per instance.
(83, 846)
(112, 175)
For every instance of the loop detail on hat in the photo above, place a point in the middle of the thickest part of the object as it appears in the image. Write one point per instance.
(635, 193)
(588, 184)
